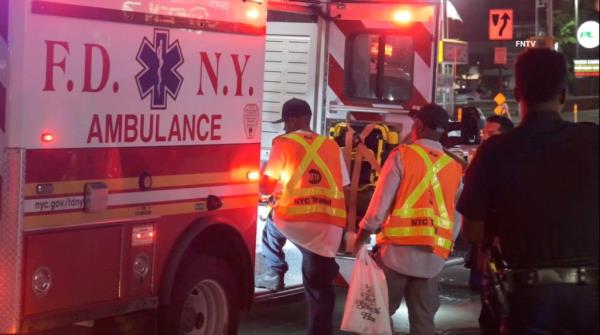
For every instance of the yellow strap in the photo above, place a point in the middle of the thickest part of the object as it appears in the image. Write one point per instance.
(317, 208)
(408, 231)
(305, 192)
(392, 232)
(444, 243)
(311, 156)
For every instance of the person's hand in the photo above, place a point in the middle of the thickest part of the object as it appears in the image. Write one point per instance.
(361, 238)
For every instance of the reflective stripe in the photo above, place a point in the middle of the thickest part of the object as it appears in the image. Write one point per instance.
(442, 242)
(311, 209)
(311, 156)
(304, 192)
(408, 213)
(391, 232)
(408, 231)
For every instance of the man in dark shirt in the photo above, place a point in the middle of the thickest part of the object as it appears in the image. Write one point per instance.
(536, 189)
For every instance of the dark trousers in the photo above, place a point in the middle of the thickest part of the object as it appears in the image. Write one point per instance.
(563, 309)
(272, 248)
(421, 295)
(318, 273)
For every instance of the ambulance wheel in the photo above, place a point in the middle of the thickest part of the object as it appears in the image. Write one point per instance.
(205, 300)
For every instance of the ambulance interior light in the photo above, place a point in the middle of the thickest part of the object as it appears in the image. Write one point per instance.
(402, 16)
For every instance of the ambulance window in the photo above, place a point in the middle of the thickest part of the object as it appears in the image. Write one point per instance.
(363, 83)
(380, 67)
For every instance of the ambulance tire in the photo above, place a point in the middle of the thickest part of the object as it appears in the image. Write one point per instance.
(206, 285)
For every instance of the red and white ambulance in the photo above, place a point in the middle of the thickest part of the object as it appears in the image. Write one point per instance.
(131, 134)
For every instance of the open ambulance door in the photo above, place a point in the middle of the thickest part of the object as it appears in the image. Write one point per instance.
(293, 66)
(293, 69)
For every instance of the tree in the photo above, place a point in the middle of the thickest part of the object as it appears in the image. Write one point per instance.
(566, 35)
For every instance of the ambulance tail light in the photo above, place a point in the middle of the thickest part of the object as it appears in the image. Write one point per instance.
(403, 16)
(47, 137)
(253, 176)
(142, 235)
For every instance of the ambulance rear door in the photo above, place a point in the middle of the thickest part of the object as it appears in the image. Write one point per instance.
(381, 58)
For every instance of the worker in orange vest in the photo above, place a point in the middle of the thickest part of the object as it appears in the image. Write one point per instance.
(306, 175)
(413, 210)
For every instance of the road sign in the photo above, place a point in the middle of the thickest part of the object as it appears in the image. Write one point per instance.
(500, 55)
(500, 99)
(501, 24)
(453, 52)
(587, 35)
(502, 110)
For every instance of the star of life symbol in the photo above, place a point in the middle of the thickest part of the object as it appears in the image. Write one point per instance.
(159, 76)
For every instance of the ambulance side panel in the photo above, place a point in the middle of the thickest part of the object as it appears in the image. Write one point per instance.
(11, 169)
(126, 120)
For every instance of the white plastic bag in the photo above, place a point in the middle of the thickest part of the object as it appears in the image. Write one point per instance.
(367, 308)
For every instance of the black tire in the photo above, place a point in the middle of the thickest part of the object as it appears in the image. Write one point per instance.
(197, 303)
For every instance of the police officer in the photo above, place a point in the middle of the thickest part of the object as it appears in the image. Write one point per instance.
(536, 189)
(306, 174)
(413, 207)
(479, 278)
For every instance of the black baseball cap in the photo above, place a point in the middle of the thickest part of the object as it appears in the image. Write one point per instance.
(294, 108)
(433, 116)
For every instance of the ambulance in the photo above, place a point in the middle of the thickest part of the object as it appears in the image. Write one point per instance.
(132, 133)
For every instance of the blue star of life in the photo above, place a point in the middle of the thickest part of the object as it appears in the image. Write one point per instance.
(159, 77)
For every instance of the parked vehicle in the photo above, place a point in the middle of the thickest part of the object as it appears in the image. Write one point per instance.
(464, 95)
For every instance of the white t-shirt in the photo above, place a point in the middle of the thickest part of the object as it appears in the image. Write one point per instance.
(320, 238)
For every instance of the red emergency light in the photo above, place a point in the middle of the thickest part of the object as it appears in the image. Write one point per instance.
(252, 13)
(253, 175)
(47, 137)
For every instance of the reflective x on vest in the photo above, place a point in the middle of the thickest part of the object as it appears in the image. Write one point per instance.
(406, 211)
(312, 156)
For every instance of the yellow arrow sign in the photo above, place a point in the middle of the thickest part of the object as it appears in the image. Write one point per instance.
(500, 99)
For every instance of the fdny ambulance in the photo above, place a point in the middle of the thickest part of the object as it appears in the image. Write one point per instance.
(131, 136)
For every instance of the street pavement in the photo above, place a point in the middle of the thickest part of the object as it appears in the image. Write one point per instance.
(458, 312)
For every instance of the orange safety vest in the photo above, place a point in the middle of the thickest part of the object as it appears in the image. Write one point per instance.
(423, 212)
(311, 180)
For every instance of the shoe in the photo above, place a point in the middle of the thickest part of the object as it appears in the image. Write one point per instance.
(269, 280)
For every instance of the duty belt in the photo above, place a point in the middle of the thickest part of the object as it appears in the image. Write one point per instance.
(546, 276)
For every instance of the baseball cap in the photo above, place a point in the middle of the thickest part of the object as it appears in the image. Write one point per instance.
(294, 108)
(433, 116)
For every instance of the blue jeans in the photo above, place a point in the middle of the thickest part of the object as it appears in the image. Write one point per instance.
(272, 248)
(564, 309)
(318, 273)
